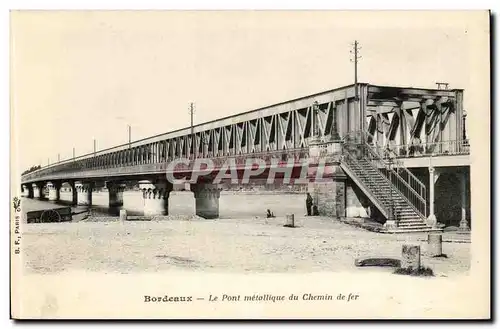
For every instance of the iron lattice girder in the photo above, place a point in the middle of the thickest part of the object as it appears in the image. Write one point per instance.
(280, 131)
(401, 113)
(279, 127)
(394, 93)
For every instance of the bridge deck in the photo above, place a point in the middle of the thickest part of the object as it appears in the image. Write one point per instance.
(393, 115)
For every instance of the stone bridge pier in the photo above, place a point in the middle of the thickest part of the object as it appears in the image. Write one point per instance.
(329, 192)
(155, 194)
(54, 191)
(115, 191)
(74, 193)
(38, 190)
(327, 180)
(84, 193)
(28, 190)
(207, 197)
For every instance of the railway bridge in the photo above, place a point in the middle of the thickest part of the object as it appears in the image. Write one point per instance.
(398, 155)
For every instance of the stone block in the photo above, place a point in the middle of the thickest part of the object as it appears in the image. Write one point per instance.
(377, 261)
(435, 244)
(290, 220)
(410, 258)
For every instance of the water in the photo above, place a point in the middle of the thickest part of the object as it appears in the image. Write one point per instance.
(183, 203)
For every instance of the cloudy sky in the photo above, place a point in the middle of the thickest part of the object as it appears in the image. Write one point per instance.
(76, 76)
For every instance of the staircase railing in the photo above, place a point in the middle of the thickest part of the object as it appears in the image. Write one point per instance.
(409, 186)
(353, 164)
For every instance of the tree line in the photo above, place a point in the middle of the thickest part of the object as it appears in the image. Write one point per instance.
(33, 168)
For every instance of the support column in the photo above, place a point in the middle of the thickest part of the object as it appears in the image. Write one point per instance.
(464, 223)
(39, 191)
(207, 199)
(54, 191)
(28, 190)
(433, 177)
(327, 186)
(36, 191)
(329, 196)
(74, 193)
(115, 191)
(84, 190)
(155, 195)
(327, 181)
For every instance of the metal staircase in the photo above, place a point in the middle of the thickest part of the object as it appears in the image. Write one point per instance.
(392, 188)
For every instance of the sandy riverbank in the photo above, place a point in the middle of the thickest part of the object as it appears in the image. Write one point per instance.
(227, 245)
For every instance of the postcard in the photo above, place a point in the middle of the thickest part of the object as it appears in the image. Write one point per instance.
(250, 164)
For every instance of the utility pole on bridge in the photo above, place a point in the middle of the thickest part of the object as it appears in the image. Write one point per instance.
(355, 52)
(129, 136)
(193, 143)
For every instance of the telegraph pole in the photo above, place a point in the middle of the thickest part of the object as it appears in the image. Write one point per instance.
(191, 113)
(73, 153)
(58, 157)
(129, 136)
(355, 52)
(94, 146)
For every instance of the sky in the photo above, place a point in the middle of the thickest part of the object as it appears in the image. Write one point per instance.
(80, 76)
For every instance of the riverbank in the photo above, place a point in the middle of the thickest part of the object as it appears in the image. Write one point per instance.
(257, 245)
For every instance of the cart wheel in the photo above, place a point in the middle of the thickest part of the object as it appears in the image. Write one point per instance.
(50, 216)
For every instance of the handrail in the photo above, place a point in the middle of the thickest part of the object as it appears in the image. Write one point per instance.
(354, 163)
(399, 165)
(450, 147)
(409, 186)
(404, 186)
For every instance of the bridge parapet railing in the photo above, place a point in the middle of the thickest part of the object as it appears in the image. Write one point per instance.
(454, 147)
(279, 157)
